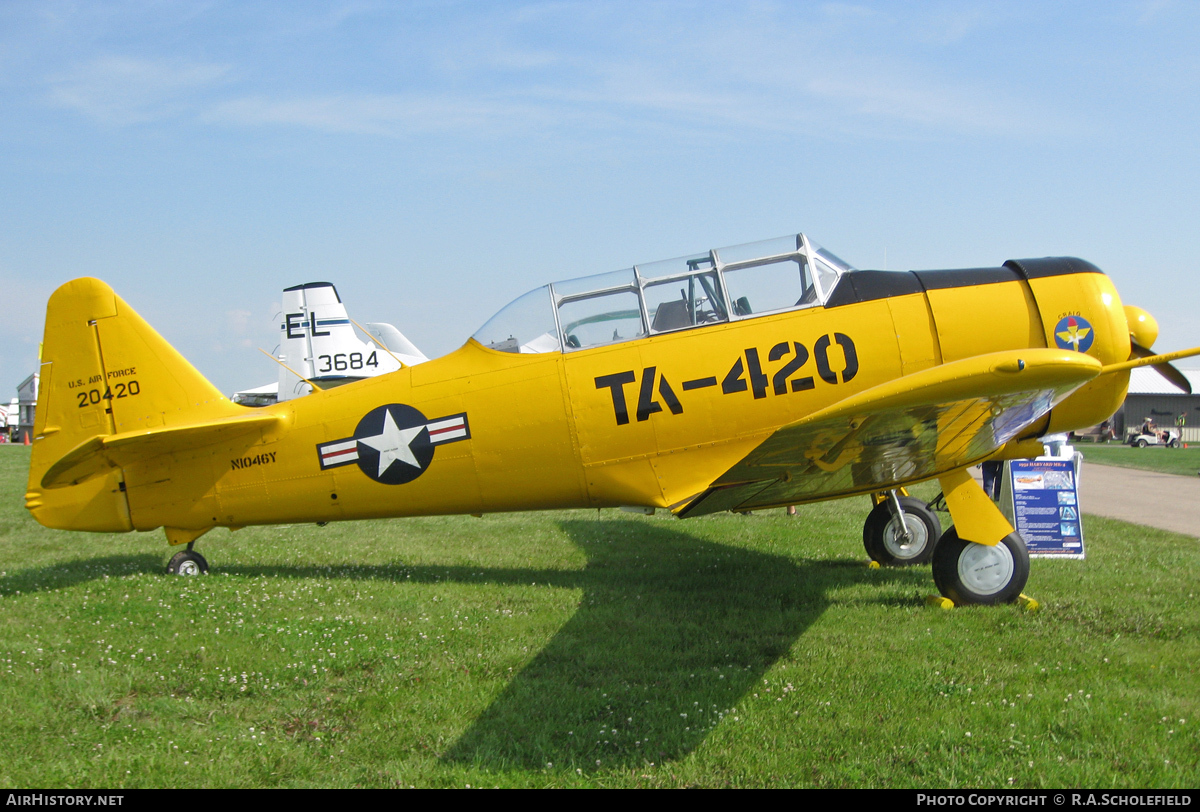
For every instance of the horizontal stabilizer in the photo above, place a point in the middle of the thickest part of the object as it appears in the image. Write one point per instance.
(396, 343)
(102, 453)
(912, 428)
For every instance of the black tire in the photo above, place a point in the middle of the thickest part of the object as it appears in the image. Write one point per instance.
(187, 562)
(1173, 444)
(1141, 443)
(880, 534)
(970, 573)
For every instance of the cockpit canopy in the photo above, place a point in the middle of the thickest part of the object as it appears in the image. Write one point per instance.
(725, 284)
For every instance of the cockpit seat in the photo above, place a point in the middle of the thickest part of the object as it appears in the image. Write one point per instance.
(671, 316)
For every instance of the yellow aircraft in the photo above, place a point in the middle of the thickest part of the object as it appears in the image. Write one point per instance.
(756, 376)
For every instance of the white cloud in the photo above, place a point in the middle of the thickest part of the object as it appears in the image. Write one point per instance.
(1152, 10)
(119, 90)
(953, 24)
(891, 98)
(370, 114)
(238, 321)
(724, 75)
(829, 101)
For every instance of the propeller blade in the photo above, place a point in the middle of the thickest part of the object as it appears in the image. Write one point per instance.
(1165, 369)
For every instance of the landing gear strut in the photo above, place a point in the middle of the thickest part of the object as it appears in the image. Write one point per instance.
(187, 562)
(901, 531)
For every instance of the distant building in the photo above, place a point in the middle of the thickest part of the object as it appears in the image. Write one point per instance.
(1150, 396)
(27, 394)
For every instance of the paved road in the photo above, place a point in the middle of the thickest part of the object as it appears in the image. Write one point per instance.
(1141, 497)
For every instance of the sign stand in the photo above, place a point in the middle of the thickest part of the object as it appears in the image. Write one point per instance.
(1041, 499)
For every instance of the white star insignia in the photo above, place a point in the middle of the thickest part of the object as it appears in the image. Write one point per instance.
(393, 444)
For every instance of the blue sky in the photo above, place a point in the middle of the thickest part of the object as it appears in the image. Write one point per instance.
(435, 160)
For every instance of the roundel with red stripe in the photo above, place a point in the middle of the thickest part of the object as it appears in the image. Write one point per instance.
(394, 443)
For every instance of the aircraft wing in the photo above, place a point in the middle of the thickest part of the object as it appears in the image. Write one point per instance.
(99, 454)
(906, 430)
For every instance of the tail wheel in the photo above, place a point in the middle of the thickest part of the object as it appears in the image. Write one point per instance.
(187, 562)
(970, 573)
(886, 544)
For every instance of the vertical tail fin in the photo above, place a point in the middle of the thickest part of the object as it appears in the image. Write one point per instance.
(104, 371)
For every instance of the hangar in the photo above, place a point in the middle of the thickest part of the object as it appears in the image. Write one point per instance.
(1152, 396)
(27, 394)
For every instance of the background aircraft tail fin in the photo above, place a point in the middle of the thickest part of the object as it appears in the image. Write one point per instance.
(105, 371)
(318, 341)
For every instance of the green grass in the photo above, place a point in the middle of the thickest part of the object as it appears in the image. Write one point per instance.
(1181, 461)
(577, 649)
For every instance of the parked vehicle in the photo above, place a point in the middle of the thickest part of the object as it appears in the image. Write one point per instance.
(1150, 434)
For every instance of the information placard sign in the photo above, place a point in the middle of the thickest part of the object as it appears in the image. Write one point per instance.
(1045, 506)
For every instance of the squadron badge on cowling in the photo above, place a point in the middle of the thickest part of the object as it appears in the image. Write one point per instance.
(394, 444)
(1074, 333)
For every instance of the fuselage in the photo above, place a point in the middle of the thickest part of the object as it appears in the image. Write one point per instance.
(646, 422)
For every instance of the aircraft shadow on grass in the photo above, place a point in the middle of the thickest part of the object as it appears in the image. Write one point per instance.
(657, 652)
(72, 573)
(672, 631)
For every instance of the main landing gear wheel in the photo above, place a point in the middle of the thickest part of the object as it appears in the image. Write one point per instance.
(187, 562)
(966, 572)
(886, 544)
